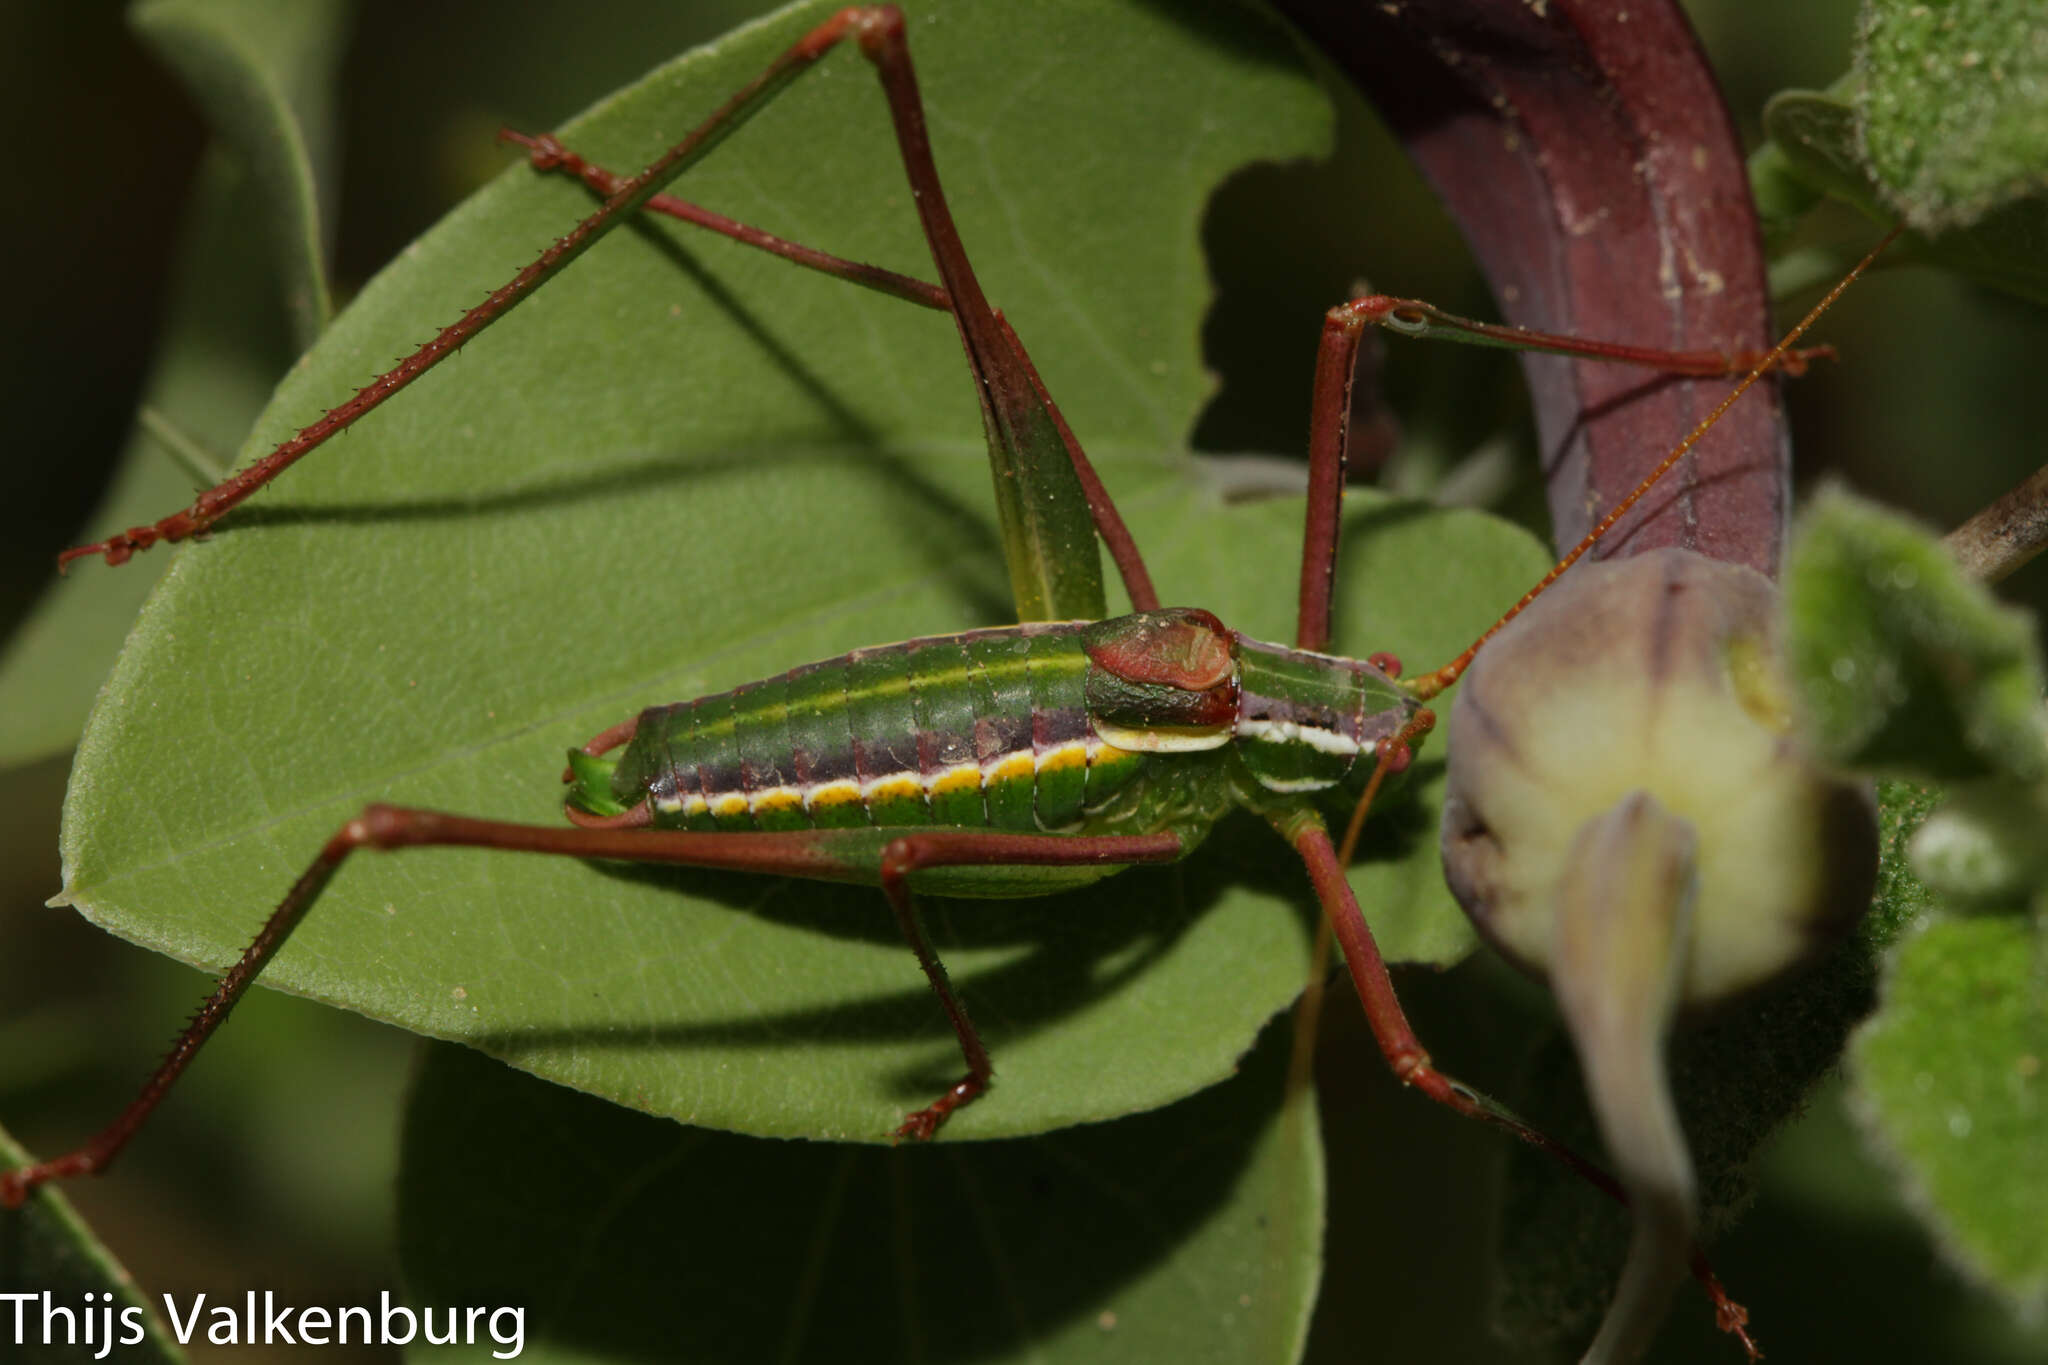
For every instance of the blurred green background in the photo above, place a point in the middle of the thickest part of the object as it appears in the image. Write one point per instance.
(272, 1169)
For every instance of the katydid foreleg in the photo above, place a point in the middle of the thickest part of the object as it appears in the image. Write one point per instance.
(1330, 416)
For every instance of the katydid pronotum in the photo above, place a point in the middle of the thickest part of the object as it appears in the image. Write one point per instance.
(1126, 652)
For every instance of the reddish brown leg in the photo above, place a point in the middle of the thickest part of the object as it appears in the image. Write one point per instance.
(1431, 684)
(548, 154)
(1329, 425)
(216, 502)
(831, 855)
(1330, 411)
(956, 848)
(1404, 1052)
(1413, 317)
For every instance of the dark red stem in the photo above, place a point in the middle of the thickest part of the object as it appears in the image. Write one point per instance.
(1586, 153)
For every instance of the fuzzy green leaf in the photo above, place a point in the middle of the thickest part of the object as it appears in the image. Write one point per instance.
(684, 465)
(1952, 106)
(1813, 143)
(1949, 1082)
(1191, 1234)
(48, 1249)
(1906, 665)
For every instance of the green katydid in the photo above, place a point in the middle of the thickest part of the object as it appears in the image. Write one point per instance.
(1133, 654)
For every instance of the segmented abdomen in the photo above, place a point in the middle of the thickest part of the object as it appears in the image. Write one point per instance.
(986, 729)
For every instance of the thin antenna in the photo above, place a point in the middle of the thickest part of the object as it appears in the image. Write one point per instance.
(1430, 684)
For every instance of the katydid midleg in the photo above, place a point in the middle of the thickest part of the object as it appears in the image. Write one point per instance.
(1137, 731)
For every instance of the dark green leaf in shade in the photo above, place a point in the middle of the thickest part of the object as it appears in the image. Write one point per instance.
(1952, 106)
(1190, 1234)
(1783, 192)
(250, 294)
(1949, 1083)
(47, 1249)
(1906, 666)
(264, 74)
(225, 345)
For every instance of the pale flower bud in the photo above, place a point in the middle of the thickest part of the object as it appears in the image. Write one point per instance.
(1657, 674)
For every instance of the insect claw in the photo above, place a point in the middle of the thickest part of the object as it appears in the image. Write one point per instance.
(542, 150)
(924, 1124)
(117, 549)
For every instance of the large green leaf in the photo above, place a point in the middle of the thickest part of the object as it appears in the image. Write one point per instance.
(684, 465)
(1189, 1234)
